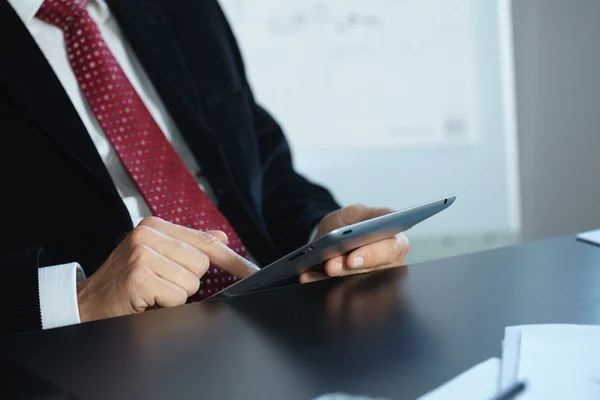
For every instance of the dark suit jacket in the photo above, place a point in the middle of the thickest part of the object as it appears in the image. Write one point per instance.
(57, 199)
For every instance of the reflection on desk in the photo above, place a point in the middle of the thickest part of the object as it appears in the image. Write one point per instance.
(361, 315)
(392, 334)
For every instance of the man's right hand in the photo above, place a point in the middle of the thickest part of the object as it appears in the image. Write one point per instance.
(157, 264)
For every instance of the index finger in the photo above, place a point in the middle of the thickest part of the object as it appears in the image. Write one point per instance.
(218, 253)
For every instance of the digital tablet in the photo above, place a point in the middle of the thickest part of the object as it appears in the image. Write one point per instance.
(312, 256)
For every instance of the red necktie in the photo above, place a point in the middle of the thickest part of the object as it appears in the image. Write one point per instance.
(164, 181)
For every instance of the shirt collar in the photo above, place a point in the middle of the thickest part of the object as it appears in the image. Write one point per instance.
(101, 9)
(26, 9)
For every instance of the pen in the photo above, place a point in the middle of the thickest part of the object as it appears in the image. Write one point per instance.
(512, 392)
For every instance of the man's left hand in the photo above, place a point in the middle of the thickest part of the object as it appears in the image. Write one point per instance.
(384, 254)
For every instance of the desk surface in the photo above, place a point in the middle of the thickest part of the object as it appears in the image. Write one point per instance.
(397, 334)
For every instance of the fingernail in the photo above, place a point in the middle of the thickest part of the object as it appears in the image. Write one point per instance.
(358, 262)
(308, 278)
(337, 268)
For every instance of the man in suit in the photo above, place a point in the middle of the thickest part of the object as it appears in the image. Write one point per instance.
(137, 169)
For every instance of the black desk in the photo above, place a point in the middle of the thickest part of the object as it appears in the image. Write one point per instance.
(396, 334)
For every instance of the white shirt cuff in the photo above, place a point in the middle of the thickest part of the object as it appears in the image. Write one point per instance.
(58, 294)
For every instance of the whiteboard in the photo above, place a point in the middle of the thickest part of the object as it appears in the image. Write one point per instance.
(393, 102)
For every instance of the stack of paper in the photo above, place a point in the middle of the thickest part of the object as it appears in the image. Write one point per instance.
(555, 362)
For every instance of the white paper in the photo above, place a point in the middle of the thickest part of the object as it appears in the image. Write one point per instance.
(557, 361)
(512, 344)
(477, 383)
(590, 237)
(510, 356)
(561, 363)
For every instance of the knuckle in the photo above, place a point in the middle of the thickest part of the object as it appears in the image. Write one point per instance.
(137, 276)
(139, 253)
(150, 221)
(209, 240)
(201, 262)
(141, 234)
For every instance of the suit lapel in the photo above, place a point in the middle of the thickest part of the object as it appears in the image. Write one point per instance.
(31, 81)
(147, 30)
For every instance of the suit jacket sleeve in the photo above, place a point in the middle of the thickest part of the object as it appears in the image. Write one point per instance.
(292, 205)
(19, 295)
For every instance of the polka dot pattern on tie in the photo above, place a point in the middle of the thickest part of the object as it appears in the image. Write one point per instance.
(169, 189)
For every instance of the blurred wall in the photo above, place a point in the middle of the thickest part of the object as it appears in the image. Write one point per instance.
(557, 51)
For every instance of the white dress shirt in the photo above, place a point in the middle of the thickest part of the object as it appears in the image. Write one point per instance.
(57, 284)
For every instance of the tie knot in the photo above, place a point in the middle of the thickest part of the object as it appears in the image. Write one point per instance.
(61, 12)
